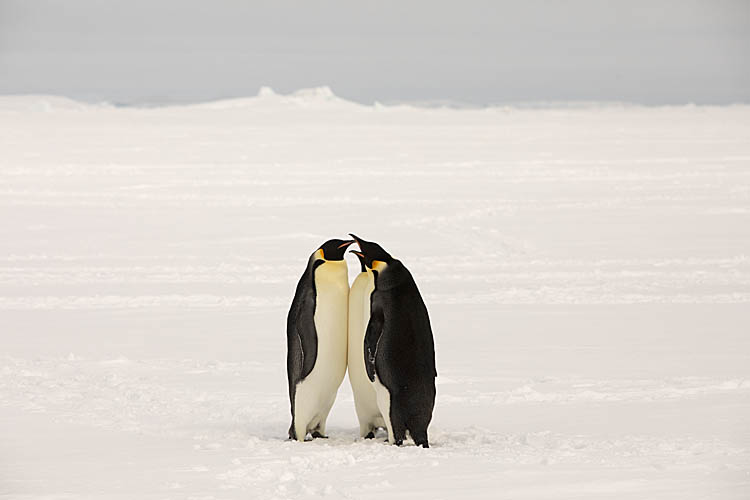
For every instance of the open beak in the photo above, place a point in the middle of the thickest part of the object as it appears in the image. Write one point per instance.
(346, 244)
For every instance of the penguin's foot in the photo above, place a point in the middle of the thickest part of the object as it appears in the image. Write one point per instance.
(420, 439)
(317, 435)
(398, 442)
(370, 435)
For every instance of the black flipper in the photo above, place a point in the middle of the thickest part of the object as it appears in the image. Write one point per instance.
(306, 334)
(372, 336)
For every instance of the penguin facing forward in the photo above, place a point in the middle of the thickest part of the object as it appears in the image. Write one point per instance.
(399, 350)
(365, 397)
(316, 332)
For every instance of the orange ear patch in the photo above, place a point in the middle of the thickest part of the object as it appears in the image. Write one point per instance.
(379, 265)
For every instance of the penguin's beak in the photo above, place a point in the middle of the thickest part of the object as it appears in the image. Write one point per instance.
(346, 244)
(357, 253)
(356, 238)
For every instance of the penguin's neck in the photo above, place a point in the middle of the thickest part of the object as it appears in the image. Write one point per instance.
(364, 277)
(331, 271)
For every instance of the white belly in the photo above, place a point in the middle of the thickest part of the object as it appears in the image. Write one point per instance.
(365, 398)
(384, 404)
(315, 395)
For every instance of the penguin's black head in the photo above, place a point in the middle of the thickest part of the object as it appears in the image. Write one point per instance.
(335, 249)
(361, 258)
(372, 252)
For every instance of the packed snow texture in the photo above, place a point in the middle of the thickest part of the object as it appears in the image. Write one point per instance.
(587, 272)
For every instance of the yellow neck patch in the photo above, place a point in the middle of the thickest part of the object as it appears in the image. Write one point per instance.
(378, 265)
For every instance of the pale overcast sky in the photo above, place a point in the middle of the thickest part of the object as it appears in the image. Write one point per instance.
(480, 52)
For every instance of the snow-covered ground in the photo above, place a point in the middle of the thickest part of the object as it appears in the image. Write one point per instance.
(587, 270)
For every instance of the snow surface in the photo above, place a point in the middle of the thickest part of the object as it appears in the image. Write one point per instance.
(587, 271)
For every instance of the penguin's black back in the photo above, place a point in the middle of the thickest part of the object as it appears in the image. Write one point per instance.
(301, 336)
(404, 351)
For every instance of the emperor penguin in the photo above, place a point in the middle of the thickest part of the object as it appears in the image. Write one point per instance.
(316, 332)
(365, 398)
(399, 350)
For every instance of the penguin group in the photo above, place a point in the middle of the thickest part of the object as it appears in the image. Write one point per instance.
(379, 328)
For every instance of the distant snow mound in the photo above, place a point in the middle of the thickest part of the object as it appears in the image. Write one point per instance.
(41, 103)
(315, 93)
(316, 97)
(266, 92)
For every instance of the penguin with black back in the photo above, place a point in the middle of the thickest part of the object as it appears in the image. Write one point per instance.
(316, 332)
(399, 350)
